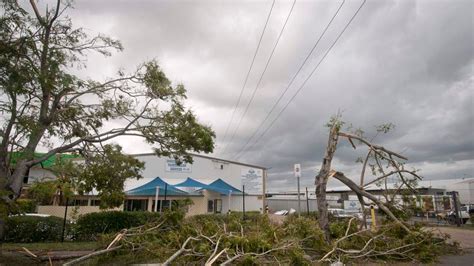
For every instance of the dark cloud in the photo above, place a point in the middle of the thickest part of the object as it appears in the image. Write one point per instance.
(405, 62)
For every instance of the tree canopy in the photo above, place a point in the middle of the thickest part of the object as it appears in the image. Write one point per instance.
(44, 104)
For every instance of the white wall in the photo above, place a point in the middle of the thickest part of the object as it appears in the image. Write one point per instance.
(39, 174)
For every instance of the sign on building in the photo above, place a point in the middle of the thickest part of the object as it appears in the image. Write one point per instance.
(352, 205)
(172, 166)
(252, 179)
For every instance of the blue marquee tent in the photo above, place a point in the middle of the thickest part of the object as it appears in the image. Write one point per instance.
(189, 182)
(223, 187)
(149, 189)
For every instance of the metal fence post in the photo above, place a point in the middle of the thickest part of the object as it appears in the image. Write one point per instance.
(64, 221)
(243, 201)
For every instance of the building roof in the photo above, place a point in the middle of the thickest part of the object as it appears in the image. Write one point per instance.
(149, 189)
(48, 163)
(218, 185)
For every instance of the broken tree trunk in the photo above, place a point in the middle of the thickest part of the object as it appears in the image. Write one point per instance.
(322, 180)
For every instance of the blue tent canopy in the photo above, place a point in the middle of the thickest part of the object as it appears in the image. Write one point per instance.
(223, 187)
(149, 189)
(189, 182)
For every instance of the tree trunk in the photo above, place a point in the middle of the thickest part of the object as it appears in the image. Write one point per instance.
(322, 180)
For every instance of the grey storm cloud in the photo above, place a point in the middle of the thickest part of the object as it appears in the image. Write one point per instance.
(405, 62)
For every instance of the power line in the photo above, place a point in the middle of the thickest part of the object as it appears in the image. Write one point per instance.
(310, 75)
(293, 78)
(263, 73)
(248, 73)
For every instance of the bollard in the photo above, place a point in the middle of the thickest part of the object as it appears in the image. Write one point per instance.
(372, 213)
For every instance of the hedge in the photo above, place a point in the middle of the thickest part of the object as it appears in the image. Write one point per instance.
(90, 225)
(26, 205)
(22, 229)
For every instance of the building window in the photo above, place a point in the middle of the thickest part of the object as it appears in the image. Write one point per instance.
(95, 202)
(81, 202)
(222, 167)
(135, 205)
(157, 207)
(210, 206)
(166, 204)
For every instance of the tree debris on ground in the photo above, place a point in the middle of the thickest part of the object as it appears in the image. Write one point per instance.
(228, 239)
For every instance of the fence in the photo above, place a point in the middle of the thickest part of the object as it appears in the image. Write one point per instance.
(276, 204)
(73, 212)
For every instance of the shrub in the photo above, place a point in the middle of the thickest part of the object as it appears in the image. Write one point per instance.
(25, 206)
(33, 229)
(90, 225)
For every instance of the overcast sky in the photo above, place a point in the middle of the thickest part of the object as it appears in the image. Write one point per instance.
(405, 62)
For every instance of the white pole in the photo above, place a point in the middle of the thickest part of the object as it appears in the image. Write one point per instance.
(156, 198)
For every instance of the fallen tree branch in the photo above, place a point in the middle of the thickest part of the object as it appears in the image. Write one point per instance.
(354, 187)
(93, 254)
(180, 251)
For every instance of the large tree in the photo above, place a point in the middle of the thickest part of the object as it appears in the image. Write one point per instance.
(44, 104)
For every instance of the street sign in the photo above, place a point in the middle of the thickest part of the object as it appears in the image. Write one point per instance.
(297, 170)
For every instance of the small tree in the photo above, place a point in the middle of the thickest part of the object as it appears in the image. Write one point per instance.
(383, 163)
(44, 104)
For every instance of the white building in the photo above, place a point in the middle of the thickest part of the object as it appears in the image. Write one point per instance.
(221, 186)
(206, 170)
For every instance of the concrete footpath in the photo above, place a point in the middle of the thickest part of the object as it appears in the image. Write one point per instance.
(465, 237)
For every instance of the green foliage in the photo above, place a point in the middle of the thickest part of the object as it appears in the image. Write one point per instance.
(33, 229)
(90, 226)
(107, 173)
(336, 122)
(46, 103)
(25, 206)
(339, 228)
(43, 191)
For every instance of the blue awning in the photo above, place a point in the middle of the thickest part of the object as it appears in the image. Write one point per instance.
(149, 189)
(189, 182)
(223, 187)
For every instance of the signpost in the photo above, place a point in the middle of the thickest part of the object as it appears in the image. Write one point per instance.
(298, 175)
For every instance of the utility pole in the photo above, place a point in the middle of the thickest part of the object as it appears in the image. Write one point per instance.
(456, 208)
